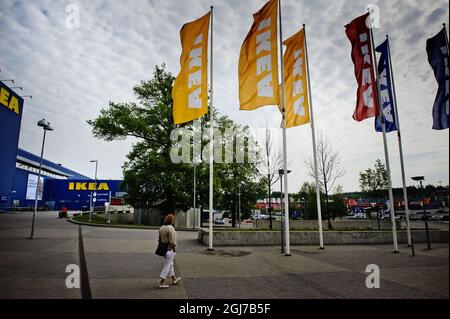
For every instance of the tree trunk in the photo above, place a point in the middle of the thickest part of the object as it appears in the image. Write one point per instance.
(328, 208)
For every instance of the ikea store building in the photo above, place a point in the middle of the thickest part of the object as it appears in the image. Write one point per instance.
(59, 186)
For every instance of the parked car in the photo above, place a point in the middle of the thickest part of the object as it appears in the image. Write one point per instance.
(387, 215)
(358, 216)
(219, 221)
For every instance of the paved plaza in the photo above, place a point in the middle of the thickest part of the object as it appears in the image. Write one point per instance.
(121, 264)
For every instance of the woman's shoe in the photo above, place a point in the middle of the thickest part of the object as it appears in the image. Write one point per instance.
(175, 281)
(163, 286)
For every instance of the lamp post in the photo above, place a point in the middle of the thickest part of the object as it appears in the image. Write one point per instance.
(93, 200)
(46, 127)
(281, 172)
(425, 215)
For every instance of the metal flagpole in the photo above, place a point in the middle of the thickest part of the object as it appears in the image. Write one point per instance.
(286, 192)
(400, 147)
(211, 142)
(386, 152)
(313, 133)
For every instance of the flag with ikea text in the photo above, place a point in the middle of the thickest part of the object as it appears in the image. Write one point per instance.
(190, 90)
(258, 61)
(295, 81)
(367, 100)
(437, 50)
(385, 89)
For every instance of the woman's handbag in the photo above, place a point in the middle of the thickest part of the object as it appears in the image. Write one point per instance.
(162, 249)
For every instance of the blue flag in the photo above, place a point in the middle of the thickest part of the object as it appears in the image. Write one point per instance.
(385, 83)
(437, 50)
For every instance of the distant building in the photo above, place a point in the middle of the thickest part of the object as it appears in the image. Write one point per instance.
(59, 186)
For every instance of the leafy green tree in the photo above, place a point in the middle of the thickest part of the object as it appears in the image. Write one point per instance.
(374, 181)
(337, 204)
(307, 196)
(150, 177)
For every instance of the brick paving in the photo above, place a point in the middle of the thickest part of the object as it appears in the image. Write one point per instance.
(121, 264)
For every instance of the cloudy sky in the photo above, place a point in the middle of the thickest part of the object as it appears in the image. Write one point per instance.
(74, 72)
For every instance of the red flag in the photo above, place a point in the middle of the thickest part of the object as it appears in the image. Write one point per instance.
(367, 101)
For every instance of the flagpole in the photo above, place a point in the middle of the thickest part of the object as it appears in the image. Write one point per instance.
(316, 173)
(286, 192)
(211, 142)
(386, 152)
(400, 147)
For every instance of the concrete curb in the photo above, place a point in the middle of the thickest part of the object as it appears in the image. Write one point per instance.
(71, 220)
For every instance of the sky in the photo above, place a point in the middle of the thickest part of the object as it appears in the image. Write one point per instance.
(73, 71)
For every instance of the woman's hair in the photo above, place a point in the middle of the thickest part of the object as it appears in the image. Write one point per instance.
(169, 219)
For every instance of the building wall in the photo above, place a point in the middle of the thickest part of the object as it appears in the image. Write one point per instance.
(75, 194)
(20, 189)
(10, 119)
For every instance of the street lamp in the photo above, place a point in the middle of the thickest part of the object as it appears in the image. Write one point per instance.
(281, 172)
(93, 200)
(46, 127)
(425, 215)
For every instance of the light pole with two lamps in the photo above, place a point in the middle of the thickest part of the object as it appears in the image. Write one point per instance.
(46, 127)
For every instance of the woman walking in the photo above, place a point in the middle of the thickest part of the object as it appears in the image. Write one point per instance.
(168, 235)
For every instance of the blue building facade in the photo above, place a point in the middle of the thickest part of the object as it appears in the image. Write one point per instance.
(58, 186)
(61, 187)
(11, 108)
(75, 194)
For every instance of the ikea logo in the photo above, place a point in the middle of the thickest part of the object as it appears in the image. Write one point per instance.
(9, 100)
(85, 186)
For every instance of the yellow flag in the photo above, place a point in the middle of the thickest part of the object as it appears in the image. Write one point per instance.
(190, 90)
(295, 85)
(258, 61)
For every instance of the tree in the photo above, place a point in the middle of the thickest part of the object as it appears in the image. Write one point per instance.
(149, 174)
(337, 205)
(328, 162)
(374, 181)
(150, 177)
(271, 162)
(238, 179)
(307, 195)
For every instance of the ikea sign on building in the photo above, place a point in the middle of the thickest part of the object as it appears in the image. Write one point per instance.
(76, 194)
(11, 107)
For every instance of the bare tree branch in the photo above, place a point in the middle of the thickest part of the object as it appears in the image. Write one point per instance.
(328, 167)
